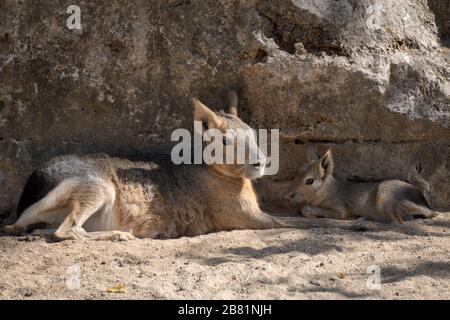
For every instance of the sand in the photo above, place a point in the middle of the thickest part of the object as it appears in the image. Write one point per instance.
(320, 263)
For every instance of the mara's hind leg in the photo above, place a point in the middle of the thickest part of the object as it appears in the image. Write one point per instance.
(49, 210)
(398, 216)
(85, 201)
(72, 227)
(407, 207)
(37, 220)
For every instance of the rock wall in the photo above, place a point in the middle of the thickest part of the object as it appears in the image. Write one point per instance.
(368, 78)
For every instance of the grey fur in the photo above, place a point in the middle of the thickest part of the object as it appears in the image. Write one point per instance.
(386, 201)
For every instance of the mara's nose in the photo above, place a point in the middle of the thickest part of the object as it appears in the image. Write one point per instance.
(258, 164)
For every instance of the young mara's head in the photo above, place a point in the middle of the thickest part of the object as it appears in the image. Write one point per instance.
(311, 181)
(240, 153)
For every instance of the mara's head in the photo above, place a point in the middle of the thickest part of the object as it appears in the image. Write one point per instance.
(239, 151)
(311, 181)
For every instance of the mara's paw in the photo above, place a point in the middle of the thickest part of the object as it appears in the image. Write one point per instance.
(70, 235)
(362, 224)
(310, 212)
(14, 229)
(43, 232)
(122, 236)
(433, 215)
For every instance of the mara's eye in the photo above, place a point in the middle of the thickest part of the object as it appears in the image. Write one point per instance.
(226, 141)
(309, 181)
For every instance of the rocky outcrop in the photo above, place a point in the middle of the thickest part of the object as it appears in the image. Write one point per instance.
(368, 78)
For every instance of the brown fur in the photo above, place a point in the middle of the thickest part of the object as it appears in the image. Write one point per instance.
(99, 197)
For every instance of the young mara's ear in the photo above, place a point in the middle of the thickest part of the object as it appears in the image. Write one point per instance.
(208, 118)
(232, 103)
(326, 162)
(311, 154)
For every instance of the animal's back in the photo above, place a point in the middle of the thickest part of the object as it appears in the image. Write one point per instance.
(94, 166)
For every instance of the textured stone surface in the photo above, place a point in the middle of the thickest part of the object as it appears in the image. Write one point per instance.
(380, 98)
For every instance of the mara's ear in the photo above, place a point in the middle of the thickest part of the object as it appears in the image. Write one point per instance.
(419, 168)
(232, 103)
(326, 163)
(311, 154)
(208, 118)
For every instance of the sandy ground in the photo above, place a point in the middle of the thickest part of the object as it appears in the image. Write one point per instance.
(319, 263)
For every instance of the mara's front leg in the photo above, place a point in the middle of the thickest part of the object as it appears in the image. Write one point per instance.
(259, 220)
(315, 212)
(241, 220)
(254, 219)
